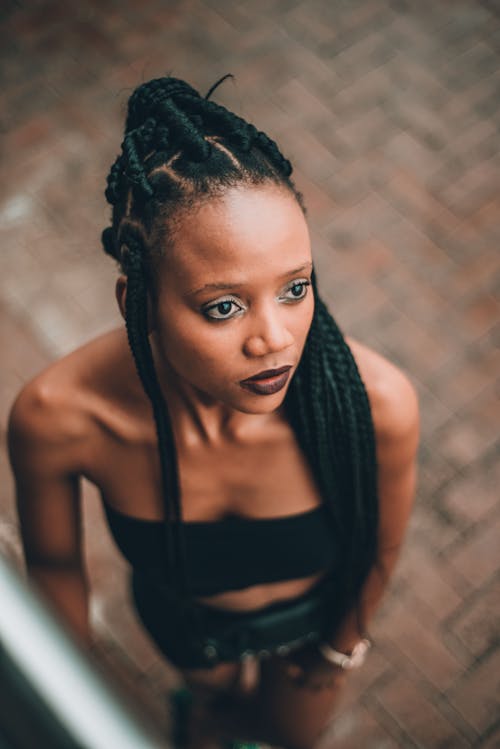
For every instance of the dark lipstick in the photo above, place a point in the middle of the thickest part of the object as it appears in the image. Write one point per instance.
(267, 382)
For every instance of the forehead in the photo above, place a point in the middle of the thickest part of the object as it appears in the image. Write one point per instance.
(247, 233)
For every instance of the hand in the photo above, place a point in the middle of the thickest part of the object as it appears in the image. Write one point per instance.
(308, 669)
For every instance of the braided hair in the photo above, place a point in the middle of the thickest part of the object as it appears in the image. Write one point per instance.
(181, 148)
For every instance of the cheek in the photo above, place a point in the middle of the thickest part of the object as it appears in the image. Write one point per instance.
(195, 347)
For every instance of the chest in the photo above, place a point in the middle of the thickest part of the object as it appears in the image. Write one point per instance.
(260, 479)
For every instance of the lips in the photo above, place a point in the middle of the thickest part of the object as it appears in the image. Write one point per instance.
(266, 373)
(267, 382)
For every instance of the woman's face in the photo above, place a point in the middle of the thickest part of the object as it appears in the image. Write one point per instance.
(234, 297)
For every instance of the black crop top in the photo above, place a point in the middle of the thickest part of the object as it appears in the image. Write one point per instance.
(232, 553)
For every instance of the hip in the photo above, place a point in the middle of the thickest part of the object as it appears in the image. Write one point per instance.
(195, 635)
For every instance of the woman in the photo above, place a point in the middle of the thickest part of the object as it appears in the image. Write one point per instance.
(256, 467)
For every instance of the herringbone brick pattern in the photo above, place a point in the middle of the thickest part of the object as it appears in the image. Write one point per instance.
(389, 110)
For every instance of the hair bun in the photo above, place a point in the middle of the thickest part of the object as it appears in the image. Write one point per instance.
(146, 98)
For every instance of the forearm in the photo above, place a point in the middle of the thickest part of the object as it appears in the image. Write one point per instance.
(310, 667)
(355, 623)
(66, 591)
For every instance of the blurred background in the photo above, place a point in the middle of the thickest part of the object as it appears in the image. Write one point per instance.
(389, 111)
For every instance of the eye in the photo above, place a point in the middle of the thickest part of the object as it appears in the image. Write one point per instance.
(221, 310)
(298, 290)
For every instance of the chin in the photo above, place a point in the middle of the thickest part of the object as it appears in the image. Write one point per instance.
(263, 405)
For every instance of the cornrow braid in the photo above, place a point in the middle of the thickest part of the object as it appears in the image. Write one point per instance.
(132, 165)
(180, 148)
(155, 100)
(128, 169)
(146, 99)
(236, 129)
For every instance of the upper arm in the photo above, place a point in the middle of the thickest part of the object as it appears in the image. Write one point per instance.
(43, 440)
(397, 427)
(395, 413)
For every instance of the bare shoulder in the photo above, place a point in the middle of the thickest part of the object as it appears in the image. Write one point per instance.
(51, 417)
(47, 423)
(392, 395)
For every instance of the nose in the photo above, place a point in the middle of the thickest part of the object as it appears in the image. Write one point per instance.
(268, 334)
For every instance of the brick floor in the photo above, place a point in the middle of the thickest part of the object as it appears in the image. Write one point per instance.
(389, 110)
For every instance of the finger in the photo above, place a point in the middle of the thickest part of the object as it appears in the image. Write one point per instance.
(249, 675)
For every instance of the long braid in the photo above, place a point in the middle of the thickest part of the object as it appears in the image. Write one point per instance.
(339, 440)
(170, 157)
(136, 324)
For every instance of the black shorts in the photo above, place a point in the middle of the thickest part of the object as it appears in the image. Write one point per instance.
(193, 635)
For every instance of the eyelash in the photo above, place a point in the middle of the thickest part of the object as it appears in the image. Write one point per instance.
(304, 283)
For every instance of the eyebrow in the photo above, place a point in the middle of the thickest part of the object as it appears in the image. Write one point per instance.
(224, 286)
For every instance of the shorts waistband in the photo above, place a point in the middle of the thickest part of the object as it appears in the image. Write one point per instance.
(194, 635)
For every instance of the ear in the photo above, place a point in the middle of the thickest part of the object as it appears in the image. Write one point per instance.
(121, 298)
